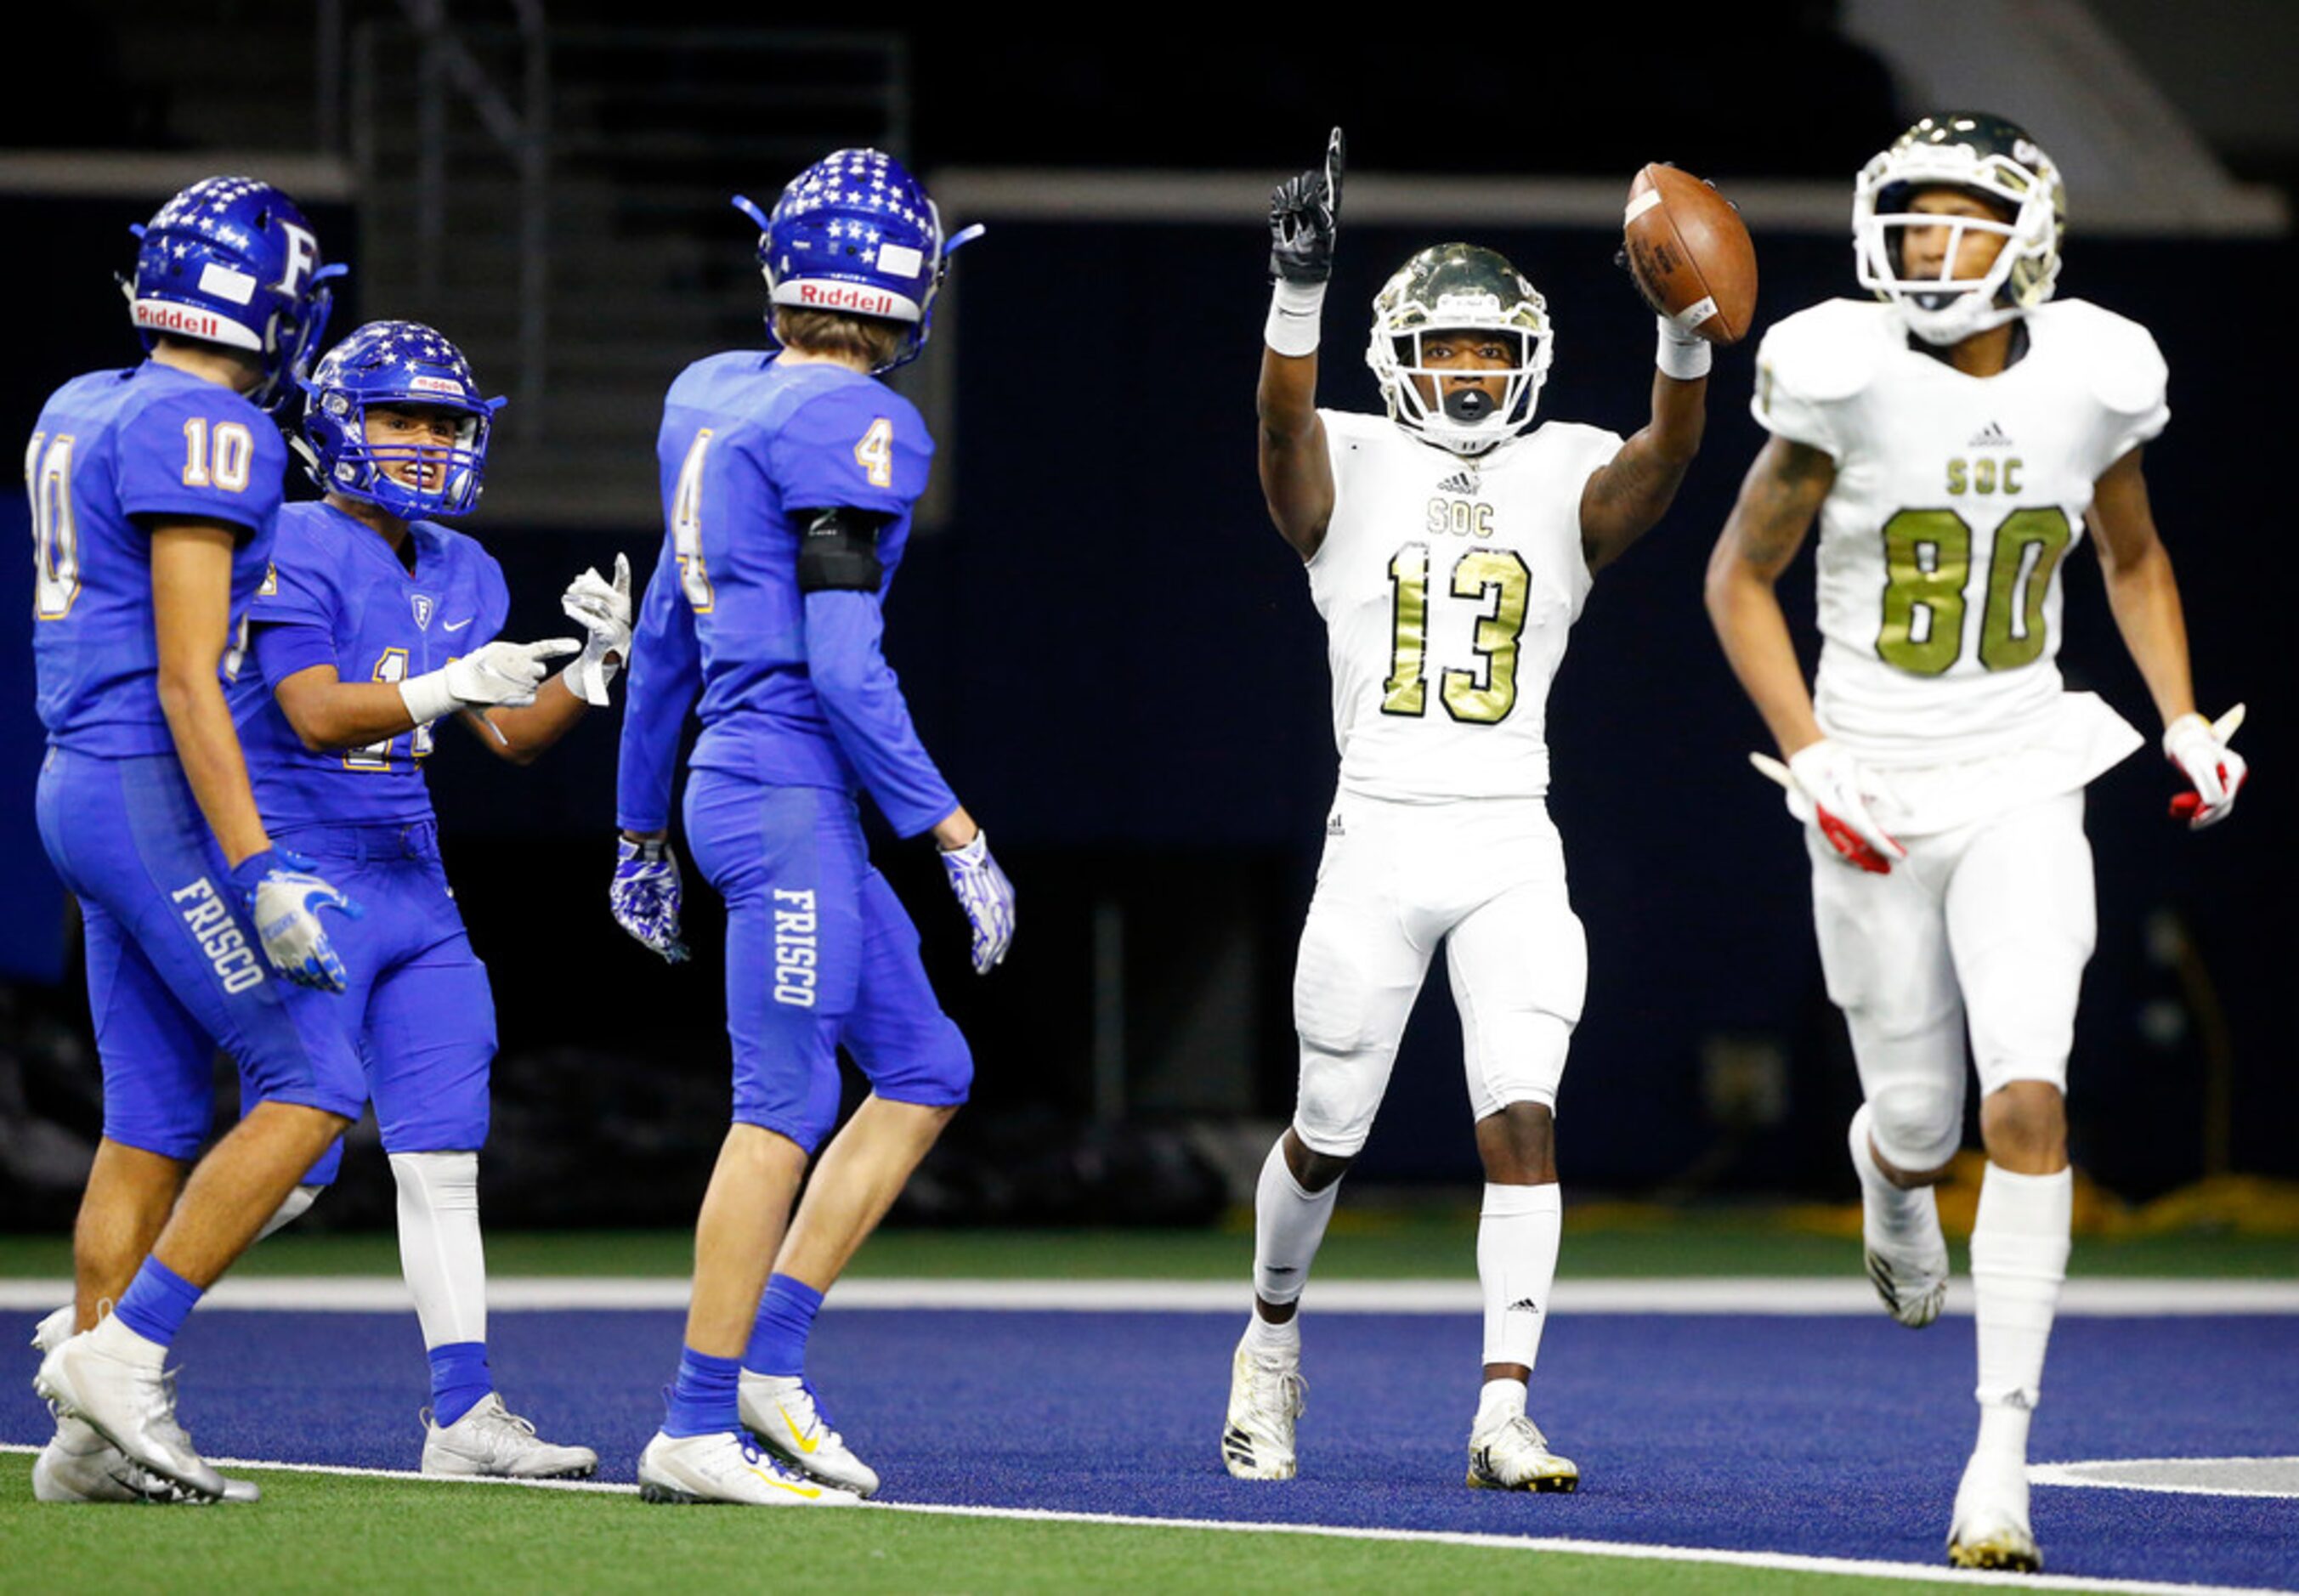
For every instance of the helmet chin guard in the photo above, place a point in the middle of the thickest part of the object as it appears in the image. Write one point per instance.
(1982, 155)
(1451, 288)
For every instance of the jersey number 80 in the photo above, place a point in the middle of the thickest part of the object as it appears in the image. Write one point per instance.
(1928, 561)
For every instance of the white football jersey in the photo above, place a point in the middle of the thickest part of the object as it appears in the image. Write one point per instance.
(1448, 585)
(1956, 501)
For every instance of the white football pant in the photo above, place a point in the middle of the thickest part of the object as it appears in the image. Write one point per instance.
(1989, 925)
(1486, 877)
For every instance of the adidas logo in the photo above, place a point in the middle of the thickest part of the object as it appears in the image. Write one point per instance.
(1334, 826)
(1990, 436)
(1524, 1305)
(1463, 482)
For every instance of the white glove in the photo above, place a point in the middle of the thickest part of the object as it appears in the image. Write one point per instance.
(499, 673)
(2200, 750)
(604, 610)
(1829, 779)
(987, 897)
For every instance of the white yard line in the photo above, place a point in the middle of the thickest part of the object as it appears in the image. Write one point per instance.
(1790, 1297)
(2073, 1473)
(1866, 1568)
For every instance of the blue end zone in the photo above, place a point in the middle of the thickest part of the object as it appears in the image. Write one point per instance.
(1837, 1437)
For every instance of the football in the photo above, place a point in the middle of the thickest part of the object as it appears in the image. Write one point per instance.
(1690, 254)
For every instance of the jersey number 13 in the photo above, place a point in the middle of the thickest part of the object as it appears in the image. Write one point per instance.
(1498, 581)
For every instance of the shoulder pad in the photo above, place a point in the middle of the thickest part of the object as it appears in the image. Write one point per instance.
(1830, 352)
(2123, 369)
(1355, 425)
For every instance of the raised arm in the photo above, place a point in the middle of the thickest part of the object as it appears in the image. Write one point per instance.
(1626, 497)
(1297, 474)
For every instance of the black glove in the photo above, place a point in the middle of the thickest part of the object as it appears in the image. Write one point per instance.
(1305, 217)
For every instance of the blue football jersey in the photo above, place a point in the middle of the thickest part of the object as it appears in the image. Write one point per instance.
(338, 595)
(747, 444)
(109, 447)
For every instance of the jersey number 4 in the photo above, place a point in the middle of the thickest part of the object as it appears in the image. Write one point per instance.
(1928, 561)
(687, 526)
(1498, 581)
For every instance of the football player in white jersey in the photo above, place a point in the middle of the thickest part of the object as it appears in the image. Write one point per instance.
(1956, 440)
(1450, 545)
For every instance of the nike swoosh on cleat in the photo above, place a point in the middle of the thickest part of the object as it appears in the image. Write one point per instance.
(804, 1445)
(809, 1492)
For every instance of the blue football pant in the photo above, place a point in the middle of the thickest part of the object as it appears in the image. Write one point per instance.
(175, 969)
(819, 954)
(418, 1011)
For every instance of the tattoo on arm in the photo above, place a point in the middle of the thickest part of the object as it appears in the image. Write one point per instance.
(1783, 491)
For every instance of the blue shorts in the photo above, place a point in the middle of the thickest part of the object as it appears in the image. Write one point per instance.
(819, 954)
(418, 1011)
(174, 969)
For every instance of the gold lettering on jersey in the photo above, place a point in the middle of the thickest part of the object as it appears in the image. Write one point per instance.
(1984, 475)
(1463, 518)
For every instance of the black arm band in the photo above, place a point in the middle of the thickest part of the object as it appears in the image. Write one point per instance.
(838, 550)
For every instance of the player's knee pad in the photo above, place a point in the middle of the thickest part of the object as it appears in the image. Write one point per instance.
(938, 1072)
(1340, 1094)
(1514, 1057)
(1917, 1126)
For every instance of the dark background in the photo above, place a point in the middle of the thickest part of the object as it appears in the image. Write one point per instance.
(1117, 663)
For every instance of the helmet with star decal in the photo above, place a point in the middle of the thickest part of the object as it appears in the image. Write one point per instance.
(401, 365)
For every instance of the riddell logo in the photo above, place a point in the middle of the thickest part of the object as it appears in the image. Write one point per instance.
(838, 297)
(177, 319)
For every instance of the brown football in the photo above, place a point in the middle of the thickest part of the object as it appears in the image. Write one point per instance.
(1690, 254)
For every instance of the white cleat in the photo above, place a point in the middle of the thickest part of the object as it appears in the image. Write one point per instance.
(728, 1467)
(1914, 1285)
(493, 1442)
(781, 1411)
(1513, 1455)
(130, 1402)
(1266, 1395)
(1989, 1528)
(79, 1465)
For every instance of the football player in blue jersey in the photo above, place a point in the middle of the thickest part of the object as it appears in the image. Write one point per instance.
(788, 480)
(376, 622)
(154, 490)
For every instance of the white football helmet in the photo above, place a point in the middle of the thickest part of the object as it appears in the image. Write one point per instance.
(1985, 156)
(1458, 287)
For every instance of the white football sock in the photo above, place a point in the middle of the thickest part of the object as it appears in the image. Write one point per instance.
(1908, 1217)
(1288, 1224)
(1498, 1402)
(292, 1207)
(1517, 1238)
(2019, 1260)
(1273, 1341)
(439, 1246)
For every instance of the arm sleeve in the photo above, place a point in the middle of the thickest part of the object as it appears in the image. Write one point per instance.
(293, 614)
(282, 649)
(665, 672)
(197, 457)
(863, 702)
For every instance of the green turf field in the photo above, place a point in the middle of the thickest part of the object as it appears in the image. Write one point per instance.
(382, 1535)
(1417, 1244)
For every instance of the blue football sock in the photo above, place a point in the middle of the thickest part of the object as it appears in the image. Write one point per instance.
(785, 1318)
(702, 1402)
(157, 1302)
(460, 1380)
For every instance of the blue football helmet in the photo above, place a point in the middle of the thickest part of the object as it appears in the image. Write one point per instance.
(404, 364)
(856, 234)
(231, 261)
